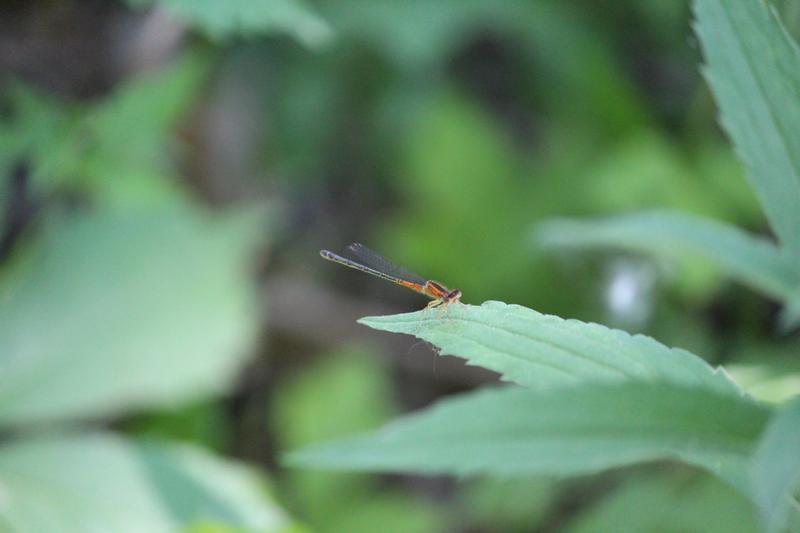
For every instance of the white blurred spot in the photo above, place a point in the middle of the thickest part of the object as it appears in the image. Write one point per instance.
(629, 295)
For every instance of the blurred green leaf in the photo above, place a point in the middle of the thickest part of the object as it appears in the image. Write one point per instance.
(776, 468)
(40, 131)
(215, 527)
(508, 504)
(514, 431)
(544, 351)
(727, 194)
(577, 65)
(766, 382)
(769, 371)
(249, 17)
(207, 424)
(347, 391)
(102, 482)
(648, 169)
(305, 105)
(131, 134)
(753, 67)
(389, 511)
(669, 502)
(453, 144)
(111, 311)
(118, 148)
(663, 19)
(754, 261)
(459, 164)
(790, 314)
(790, 14)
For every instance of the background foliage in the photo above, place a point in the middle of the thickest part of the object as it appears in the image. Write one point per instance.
(169, 169)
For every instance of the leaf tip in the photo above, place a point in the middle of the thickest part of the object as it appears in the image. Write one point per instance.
(381, 321)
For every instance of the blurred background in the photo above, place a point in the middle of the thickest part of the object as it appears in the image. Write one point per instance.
(169, 171)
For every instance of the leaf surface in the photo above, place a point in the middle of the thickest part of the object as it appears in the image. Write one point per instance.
(249, 17)
(754, 261)
(111, 311)
(513, 431)
(102, 482)
(753, 67)
(776, 468)
(543, 351)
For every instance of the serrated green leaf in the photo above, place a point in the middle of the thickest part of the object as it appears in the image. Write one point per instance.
(776, 468)
(249, 17)
(111, 311)
(514, 431)
(753, 67)
(543, 351)
(754, 261)
(102, 482)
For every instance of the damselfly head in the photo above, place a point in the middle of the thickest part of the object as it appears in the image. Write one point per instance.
(453, 296)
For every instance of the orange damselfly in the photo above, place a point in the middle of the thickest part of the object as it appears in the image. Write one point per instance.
(362, 258)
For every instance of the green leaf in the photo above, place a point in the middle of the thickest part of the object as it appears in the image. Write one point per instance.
(102, 482)
(790, 314)
(395, 511)
(346, 390)
(517, 432)
(131, 134)
(577, 59)
(40, 131)
(753, 67)
(754, 261)
(248, 17)
(343, 392)
(207, 424)
(682, 501)
(111, 311)
(776, 468)
(543, 351)
(117, 148)
(647, 169)
(766, 382)
(508, 504)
